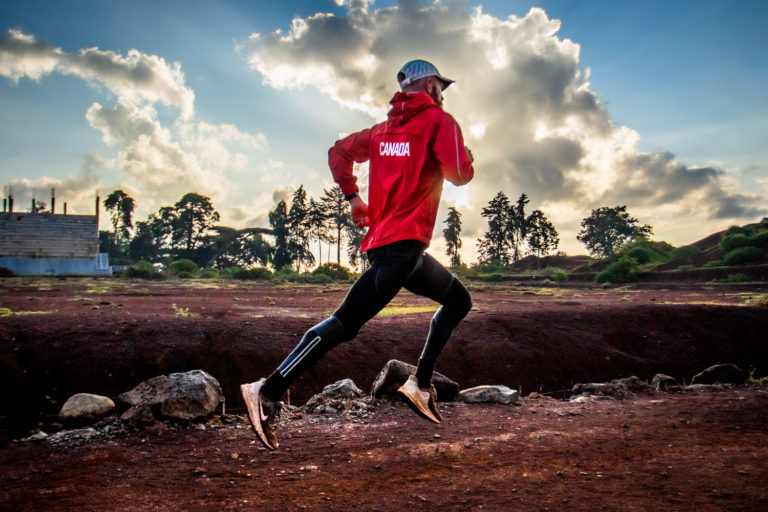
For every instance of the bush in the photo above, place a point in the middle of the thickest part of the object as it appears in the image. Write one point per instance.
(759, 239)
(730, 242)
(6, 272)
(333, 270)
(558, 275)
(208, 273)
(743, 255)
(713, 264)
(253, 274)
(491, 278)
(687, 253)
(182, 265)
(737, 278)
(686, 268)
(642, 255)
(622, 271)
(142, 269)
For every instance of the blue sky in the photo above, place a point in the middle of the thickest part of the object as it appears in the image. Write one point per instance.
(657, 105)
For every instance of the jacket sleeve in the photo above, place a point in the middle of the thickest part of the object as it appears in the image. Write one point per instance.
(343, 155)
(450, 151)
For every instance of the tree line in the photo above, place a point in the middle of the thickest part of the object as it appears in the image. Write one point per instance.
(189, 230)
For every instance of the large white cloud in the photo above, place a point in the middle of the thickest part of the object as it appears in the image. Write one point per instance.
(157, 163)
(528, 110)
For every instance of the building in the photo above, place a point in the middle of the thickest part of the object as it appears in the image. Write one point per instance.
(51, 244)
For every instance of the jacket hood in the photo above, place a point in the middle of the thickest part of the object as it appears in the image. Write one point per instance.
(406, 105)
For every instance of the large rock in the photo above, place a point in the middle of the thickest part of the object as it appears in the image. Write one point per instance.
(345, 388)
(489, 394)
(86, 407)
(617, 388)
(183, 396)
(663, 382)
(395, 373)
(721, 374)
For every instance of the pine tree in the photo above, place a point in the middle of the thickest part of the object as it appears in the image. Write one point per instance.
(299, 229)
(278, 219)
(452, 234)
(336, 210)
(494, 247)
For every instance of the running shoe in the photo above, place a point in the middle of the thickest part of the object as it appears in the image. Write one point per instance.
(262, 412)
(423, 401)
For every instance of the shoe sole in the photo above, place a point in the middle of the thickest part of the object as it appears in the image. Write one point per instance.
(416, 406)
(252, 400)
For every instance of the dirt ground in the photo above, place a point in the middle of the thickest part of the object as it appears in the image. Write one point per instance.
(701, 450)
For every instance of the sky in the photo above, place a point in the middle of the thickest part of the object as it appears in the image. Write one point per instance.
(657, 105)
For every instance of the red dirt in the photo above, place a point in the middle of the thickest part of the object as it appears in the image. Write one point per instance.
(702, 451)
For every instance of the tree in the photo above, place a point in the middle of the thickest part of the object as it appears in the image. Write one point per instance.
(317, 223)
(542, 236)
(517, 226)
(299, 229)
(240, 247)
(336, 210)
(278, 219)
(451, 234)
(120, 207)
(607, 229)
(494, 247)
(193, 216)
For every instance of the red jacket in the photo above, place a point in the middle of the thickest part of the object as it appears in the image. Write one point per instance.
(410, 154)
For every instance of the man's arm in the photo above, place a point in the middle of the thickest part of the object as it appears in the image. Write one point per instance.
(343, 155)
(455, 158)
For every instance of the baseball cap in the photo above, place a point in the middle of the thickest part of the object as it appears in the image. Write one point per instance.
(416, 69)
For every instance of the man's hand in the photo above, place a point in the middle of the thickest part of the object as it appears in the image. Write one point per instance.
(359, 212)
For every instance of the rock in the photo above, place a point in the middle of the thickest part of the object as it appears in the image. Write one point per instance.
(183, 396)
(663, 382)
(86, 407)
(395, 373)
(345, 388)
(39, 436)
(721, 374)
(617, 388)
(489, 394)
(340, 397)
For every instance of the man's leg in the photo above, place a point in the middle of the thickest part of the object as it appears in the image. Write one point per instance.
(390, 268)
(436, 282)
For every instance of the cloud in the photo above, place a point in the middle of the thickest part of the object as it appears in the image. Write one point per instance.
(158, 163)
(522, 96)
(135, 75)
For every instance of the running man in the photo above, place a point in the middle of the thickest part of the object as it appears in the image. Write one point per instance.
(409, 155)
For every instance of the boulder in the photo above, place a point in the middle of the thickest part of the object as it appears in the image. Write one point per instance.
(183, 396)
(340, 397)
(721, 374)
(618, 388)
(663, 382)
(345, 388)
(86, 407)
(395, 373)
(489, 394)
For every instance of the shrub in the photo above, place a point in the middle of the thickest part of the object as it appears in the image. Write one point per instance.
(559, 275)
(735, 241)
(253, 274)
(6, 272)
(142, 269)
(686, 268)
(759, 239)
(491, 278)
(713, 264)
(687, 253)
(182, 265)
(208, 273)
(622, 271)
(333, 270)
(642, 255)
(737, 278)
(742, 256)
